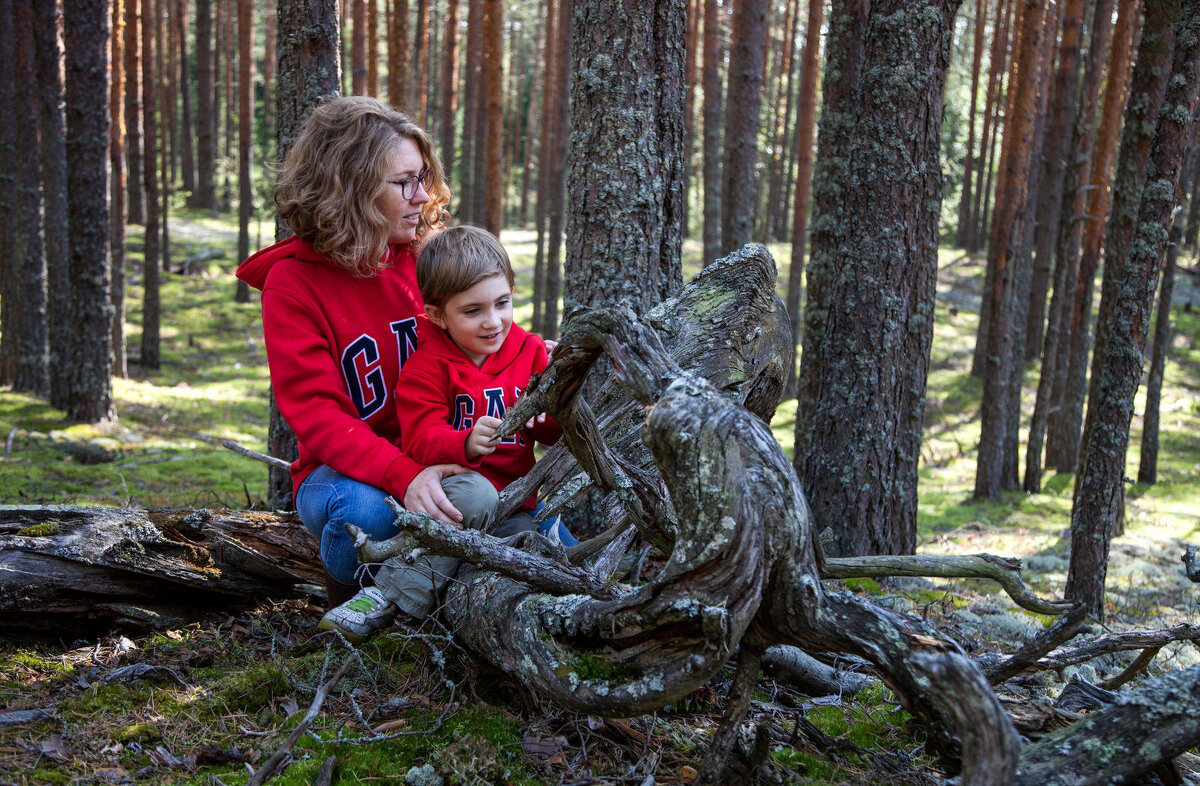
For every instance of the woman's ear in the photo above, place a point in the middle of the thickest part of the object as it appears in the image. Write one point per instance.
(435, 316)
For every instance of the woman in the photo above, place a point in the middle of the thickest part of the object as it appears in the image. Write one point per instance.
(359, 187)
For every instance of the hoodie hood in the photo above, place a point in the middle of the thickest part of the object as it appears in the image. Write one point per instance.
(254, 270)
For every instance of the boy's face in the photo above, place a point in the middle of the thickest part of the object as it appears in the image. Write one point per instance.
(477, 319)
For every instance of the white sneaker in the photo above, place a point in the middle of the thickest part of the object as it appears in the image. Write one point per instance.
(359, 617)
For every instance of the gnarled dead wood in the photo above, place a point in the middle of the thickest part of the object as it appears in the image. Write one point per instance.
(742, 550)
(1122, 742)
(1005, 571)
(62, 567)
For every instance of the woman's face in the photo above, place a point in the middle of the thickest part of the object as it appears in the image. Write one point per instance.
(403, 214)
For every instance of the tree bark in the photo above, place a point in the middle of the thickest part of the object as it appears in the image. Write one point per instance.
(742, 107)
(116, 192)
(627, 138)
(187, 133)
(309, 69)
(493, 136)
(806, 126)
(1056, 147)
(28, 283)
(136, 182)
(1068, 425)
(8, 303)
(358, 47)
(87, 34)
(72, 568)
(874, 251)
(1000, 395)
(963, 232)
(245, 130)
(205, 195)
(713, 56)
(53, 147)
(397, 49)
(1102, 471)
(1148, 459)
(1148, 83)
(151, 316)
(449, 84)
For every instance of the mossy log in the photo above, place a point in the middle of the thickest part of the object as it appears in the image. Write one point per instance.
(74, 569)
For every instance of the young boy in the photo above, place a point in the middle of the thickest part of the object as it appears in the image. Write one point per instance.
(470, 366)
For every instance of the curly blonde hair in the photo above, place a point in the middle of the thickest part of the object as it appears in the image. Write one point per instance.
(335, 175)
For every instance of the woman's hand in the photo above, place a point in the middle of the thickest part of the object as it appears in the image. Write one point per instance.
(425, 494)
(479, 441)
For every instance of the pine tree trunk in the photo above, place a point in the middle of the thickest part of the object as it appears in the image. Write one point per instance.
(449, 83)
(29, 261)
(151, 316)
(187, 133)
(420, 59)
(776, 159)
(546, 146)
(204, 195)
(54, 196)
(245, 132)
(87, 34)
(639, 154)
(742, 107)
(1069, 423)
(470, 125)
(1004, 252)
(493, 138)
(1148, 459)
(557, 176)
(116, 191)
(997, 61)
(136, 179)
(1070, 235)
(163, 101)
(806, 125)
(373, 47)
(358, 47)
(713, 56)
(8, 303)
(1054, 155)
(1102, 473)
(874, 243)
(309, 69)
(963, 231)
(397, 49)
(1148, 84)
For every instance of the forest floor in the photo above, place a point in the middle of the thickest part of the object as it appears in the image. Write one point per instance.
(207, 701)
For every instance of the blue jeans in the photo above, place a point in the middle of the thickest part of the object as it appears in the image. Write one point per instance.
(326, 501)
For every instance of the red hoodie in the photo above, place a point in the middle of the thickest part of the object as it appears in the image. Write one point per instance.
(441, 393)
(335, 345)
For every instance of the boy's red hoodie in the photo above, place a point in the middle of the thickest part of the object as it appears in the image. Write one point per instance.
(335, 345)
(441, 393)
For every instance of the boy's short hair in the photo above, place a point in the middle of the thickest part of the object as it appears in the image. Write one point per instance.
(455, 259)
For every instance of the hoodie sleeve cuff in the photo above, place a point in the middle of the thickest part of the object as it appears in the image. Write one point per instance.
(399, 475)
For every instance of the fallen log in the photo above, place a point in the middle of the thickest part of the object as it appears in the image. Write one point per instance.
(74, 569)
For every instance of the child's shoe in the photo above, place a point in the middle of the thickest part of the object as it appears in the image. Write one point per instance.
(359, 617)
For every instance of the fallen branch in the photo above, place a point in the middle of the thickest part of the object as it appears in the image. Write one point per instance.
(1118, 744)
(1118, 642)
(1004, 571)
(795, 667)
(1042, 643)
(537, 570)
(278, 463)
(1189, 563)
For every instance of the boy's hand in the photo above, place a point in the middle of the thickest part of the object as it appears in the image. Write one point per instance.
(479, 441)
(536, 420)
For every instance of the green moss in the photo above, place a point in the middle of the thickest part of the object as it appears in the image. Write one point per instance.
(111, 699)
(45, 529)
(864, 585)
(137, 732)
(252, 689)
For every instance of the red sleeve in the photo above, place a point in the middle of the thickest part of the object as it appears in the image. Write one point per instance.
(311, 394)
(424, 411)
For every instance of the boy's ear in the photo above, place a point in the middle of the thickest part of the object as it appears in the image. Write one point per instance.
(435, 316)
